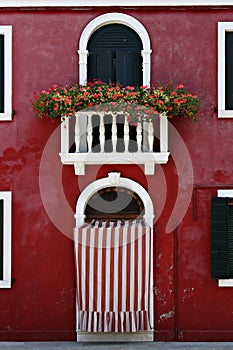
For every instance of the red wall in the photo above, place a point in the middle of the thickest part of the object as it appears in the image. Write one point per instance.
(41, 303)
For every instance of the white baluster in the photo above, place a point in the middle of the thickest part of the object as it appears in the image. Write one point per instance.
(65, 136)
(145, 136)
(102, 132)
(126, 135)
(89, 133)
(114, 132)
(163, 133)
(139, 136)
(77, 133)
(150, 136)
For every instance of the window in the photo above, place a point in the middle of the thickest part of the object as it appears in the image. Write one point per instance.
(5, 73)
(5, 239)
(222, 237)
(225, 69)
(115, 55)
(116, 18)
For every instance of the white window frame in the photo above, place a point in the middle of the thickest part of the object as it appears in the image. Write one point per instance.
(118, 18)
(7, 32)
(6, 196)
(225, 282)
(223, 27)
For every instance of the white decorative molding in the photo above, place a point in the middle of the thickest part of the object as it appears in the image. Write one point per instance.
(97, 185)
(225, 282)
(7, 32)
(110, 18)
(6, 196)
(103, 3)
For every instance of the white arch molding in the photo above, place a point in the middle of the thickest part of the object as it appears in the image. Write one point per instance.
(113, 179)
(116, 18)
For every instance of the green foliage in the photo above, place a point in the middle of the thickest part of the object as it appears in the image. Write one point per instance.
(135, 102)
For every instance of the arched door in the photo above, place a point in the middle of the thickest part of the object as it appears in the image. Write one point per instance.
(114, 260)
(115, 55)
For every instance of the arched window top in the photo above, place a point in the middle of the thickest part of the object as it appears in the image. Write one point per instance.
(110, 18)
(114, 18)
(115, 180)
(114, 203)
(117, 35)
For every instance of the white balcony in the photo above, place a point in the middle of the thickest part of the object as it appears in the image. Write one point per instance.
(89, 138)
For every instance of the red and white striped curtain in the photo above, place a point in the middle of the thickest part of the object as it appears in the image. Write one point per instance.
(113, 276)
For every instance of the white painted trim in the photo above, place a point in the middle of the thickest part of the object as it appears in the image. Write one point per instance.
(225, 193)
(7, 198)
(223, 27)
(113, 179)
(7, 32)
(103, 3)
(225, 282)
(119, 18)
(115, 337)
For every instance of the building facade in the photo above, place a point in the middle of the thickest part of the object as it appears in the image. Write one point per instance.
(184, 190)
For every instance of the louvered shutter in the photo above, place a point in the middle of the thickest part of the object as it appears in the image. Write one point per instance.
(115, 55)
(1, 73)
(1, 239)
(230, 240)
(222, 242)
(129, 67)
(229, 70)
(100, 65)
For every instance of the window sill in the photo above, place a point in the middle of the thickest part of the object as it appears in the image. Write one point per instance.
(5, 284)
(225, 283)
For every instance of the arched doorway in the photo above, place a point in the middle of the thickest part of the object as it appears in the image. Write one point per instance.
(114, 259)
(115, 55)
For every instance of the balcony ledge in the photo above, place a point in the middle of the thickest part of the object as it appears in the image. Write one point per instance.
(148, 159)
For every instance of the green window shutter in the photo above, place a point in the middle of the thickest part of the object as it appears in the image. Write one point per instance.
(229, 70)
(115, 55)
(220, 238)
(230, 240)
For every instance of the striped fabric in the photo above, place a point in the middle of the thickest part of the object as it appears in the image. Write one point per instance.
(113, 276)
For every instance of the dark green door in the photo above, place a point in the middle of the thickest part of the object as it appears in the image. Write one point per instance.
(115, 55)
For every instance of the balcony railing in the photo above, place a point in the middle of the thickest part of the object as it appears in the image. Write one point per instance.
(89, 138)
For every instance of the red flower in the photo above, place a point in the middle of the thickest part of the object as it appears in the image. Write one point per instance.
(161, 102)
(131, 88)
(95, 95)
